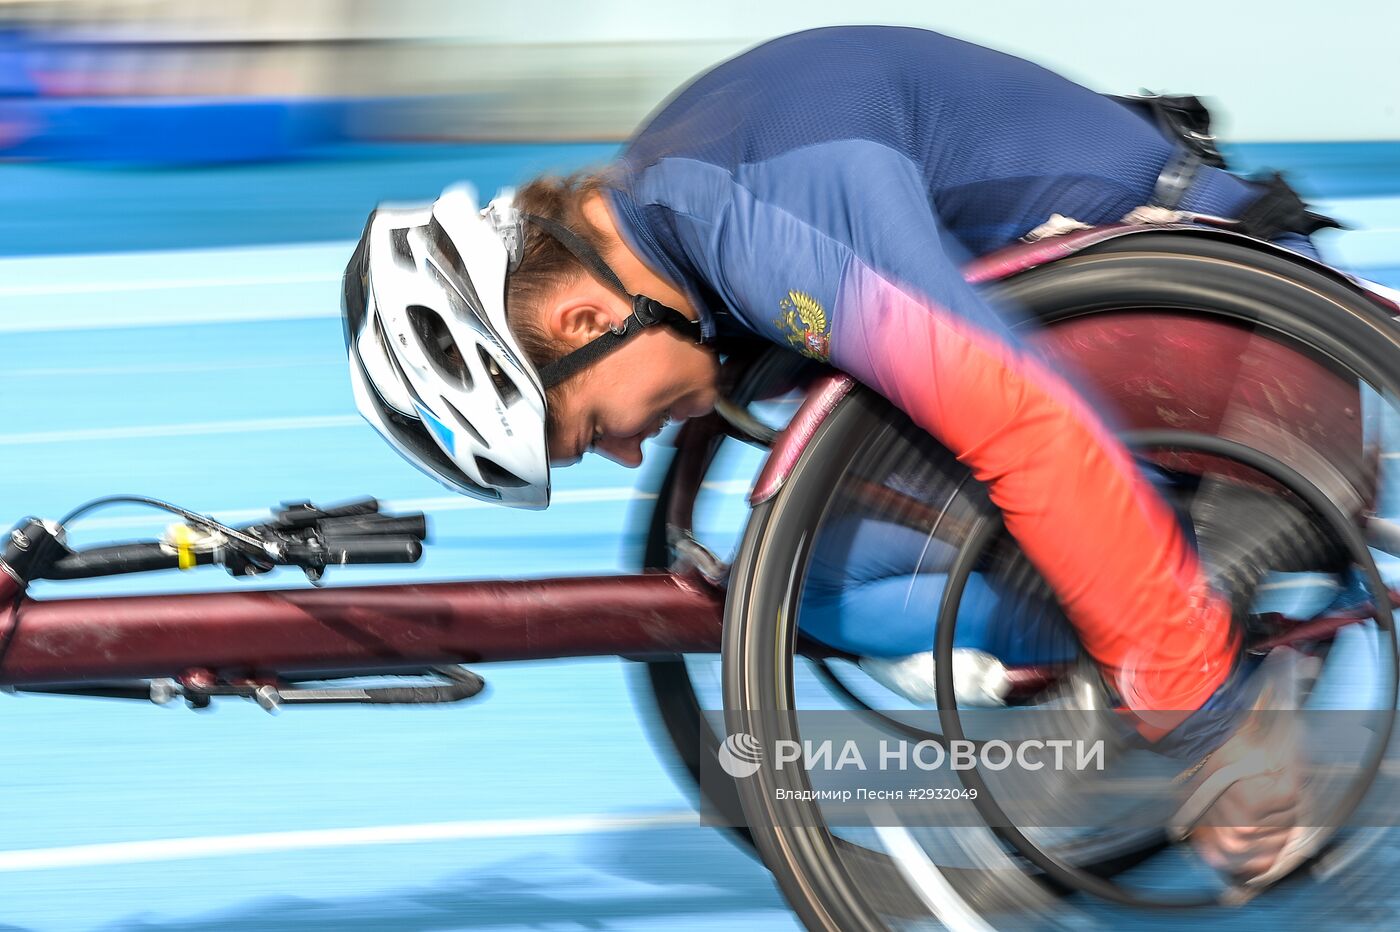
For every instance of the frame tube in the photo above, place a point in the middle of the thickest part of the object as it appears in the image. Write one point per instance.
(351, 628)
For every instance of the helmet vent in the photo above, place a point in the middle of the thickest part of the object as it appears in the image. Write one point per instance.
(505, 388)
(460, 305)
(465, 424)
(438, 344)
(408, 435)
(496, 476)
(403, 255)
(453, 260)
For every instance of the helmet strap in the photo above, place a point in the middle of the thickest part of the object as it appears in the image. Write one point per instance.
(646, 312)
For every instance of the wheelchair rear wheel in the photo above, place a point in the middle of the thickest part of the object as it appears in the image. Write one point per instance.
(1165, 332)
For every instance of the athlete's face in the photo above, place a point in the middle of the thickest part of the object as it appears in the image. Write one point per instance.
(630, 394)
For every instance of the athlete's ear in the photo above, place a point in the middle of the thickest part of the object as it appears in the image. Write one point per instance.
(577, 319)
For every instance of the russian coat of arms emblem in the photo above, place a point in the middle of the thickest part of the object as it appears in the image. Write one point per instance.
(804, 323)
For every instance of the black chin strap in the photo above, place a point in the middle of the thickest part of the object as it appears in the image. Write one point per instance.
(646, 312)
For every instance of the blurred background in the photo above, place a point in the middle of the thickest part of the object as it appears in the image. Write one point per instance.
(336, 89)
(180, 184)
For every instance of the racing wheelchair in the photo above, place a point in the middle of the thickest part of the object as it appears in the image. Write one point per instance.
(1259, 384)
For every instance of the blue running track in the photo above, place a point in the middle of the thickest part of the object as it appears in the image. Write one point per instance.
(175, 334)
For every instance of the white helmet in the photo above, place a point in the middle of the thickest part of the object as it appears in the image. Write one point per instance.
(433, 363)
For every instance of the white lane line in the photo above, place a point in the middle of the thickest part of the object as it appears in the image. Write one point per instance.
(159, 284)
(166, 368)
(180, 430)
(288, 281)
(212, 846)
(89, 319)
(928, 882)
(430, 505)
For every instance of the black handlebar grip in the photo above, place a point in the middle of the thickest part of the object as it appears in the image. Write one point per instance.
(412, 525)
(360, 506)
(305, 514)
(351, 550)
(119, 558)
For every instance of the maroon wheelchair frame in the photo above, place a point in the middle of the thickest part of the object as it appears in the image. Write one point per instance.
(255, 635)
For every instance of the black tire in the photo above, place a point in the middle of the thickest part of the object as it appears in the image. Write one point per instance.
(1309, 311)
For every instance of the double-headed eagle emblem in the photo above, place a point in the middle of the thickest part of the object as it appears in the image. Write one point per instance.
(803, 322)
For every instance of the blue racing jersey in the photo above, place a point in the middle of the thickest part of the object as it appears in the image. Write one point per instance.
(824, 189)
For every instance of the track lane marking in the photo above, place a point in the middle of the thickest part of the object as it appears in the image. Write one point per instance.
(314, 422)
(429, 505)
(211, 846)
(161, 284)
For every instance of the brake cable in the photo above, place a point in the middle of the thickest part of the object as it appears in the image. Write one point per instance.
(203, 520)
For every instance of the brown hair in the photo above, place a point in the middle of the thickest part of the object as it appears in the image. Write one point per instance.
(545, 265)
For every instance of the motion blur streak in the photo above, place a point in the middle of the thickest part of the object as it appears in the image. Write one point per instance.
(178, 186)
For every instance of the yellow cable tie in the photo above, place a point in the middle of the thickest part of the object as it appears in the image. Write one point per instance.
(183, 551)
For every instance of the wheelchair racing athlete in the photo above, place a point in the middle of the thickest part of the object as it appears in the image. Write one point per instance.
(821, 191)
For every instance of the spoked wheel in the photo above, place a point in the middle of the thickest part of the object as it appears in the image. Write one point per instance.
(1270, 390)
